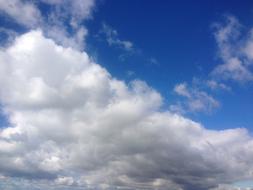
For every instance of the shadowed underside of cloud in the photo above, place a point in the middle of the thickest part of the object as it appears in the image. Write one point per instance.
(72, 125)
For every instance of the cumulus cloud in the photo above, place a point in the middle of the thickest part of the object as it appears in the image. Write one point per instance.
(73, 125)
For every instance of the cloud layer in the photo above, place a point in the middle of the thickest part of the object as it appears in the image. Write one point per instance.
(72, 125)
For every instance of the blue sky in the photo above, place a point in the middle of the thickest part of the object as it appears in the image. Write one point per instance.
(106, 94)
(180, 36)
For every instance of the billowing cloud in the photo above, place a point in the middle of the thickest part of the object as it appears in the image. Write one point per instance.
(73, 125)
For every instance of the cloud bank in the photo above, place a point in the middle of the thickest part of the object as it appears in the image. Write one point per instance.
(73, 125)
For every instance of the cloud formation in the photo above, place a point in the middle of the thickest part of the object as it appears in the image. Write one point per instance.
(194, 99)
(24, 13)
(235, 50)
(72, 125)
(112, 38)
(63, 21)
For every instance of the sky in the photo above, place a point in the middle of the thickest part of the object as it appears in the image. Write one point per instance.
(106, 94)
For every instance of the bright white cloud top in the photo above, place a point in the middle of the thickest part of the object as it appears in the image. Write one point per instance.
(73, 125)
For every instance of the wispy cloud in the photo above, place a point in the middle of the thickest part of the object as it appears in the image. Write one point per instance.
(235, 50)
(153, 61)
(215, 85)
(194, 100)
(62, 23)
(112, 38)
(25, 13)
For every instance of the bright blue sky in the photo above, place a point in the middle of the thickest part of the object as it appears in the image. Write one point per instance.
(179, 35)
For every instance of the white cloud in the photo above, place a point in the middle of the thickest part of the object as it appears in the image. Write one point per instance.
(73, 14)
(63, 22)
(196, 100)
(72, 125)
(22, 12)
(215, 85)
(78, 10)
(181, 89)
(112, 38)
(235, 50)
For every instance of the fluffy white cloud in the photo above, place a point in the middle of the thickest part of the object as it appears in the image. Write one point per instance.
(72, 125)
